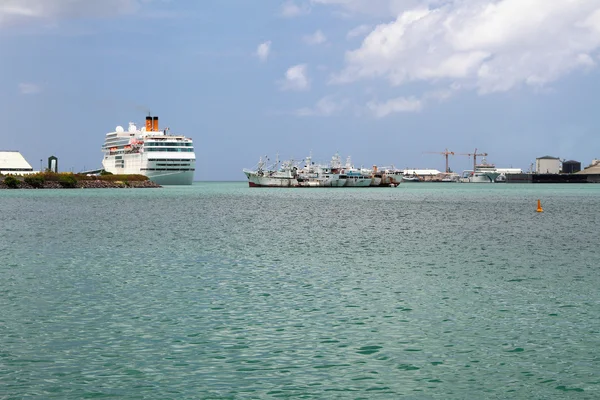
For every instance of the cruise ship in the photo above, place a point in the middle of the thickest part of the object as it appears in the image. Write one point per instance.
(164, 158)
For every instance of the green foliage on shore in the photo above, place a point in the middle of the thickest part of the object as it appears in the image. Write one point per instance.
(124, 178)
(35, 181)
(67, 181)
(11, 182)
(66, 176)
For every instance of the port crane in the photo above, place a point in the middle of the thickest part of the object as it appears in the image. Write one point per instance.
(446, 153)
(475, 154)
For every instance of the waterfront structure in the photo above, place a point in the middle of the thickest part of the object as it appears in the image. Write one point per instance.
(164, 158)
(547, 165)
(592, 169)
(13, 163)
(422, 175)
(571, 167)
(52, 164)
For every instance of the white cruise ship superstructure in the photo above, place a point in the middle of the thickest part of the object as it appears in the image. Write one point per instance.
(164, 158)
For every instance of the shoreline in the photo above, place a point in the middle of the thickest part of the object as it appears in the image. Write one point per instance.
(95, 184)
(70, 181)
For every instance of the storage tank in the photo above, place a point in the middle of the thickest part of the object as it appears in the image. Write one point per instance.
(571, 166)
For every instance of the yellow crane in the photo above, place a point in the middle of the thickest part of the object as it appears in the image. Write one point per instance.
(475, 154)
(446, 153)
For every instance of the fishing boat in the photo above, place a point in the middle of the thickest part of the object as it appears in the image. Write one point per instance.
(411, 178)
(280, 174)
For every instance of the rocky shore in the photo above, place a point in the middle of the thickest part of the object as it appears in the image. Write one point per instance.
(88, 184)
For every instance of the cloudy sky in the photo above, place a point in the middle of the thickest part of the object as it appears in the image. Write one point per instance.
(384, 81)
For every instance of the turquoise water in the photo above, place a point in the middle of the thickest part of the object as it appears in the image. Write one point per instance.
(450, 291)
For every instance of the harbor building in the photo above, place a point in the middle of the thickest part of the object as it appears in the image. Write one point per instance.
(592, 171)
(423, 174)
(547, 165)
(13, 163)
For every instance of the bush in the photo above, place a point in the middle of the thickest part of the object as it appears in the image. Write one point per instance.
(36, 181)
(103, 172)
(49, 176)
(67, 181)
(11, 182)
(128, 178)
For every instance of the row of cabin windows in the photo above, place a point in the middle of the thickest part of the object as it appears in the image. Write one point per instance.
(184, 144)
(167, 169)
(173, 159)
(169, 149)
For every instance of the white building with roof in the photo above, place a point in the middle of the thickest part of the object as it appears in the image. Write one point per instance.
(13, 163)
(421, 172)
(547, 165)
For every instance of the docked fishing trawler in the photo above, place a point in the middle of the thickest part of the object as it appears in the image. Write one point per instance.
(284, 174)
(164, 158)
(317, 175)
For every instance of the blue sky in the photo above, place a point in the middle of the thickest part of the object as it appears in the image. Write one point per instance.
(383, 81)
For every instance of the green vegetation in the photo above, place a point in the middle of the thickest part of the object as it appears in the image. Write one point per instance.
(35, 181)
(70, 180)
(124, 178)
(107, 177)
(11, 182)
(67, 181)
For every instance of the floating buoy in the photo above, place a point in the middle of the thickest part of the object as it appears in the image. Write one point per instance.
(540, 209)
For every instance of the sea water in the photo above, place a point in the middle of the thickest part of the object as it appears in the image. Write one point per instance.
(220, 291)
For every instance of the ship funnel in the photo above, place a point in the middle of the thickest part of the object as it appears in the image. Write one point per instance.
(155, 124)
(148, 123)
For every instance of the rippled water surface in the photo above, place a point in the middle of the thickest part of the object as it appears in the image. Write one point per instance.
(219, 291)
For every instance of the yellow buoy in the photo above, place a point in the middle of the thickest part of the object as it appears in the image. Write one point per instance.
(540, 209)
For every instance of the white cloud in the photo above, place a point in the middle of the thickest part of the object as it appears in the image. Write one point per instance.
(29, 88)
(483, 44)
(325, 107)
(399, 104)
(360, 30)
(316, 38)
(263, 50)
(15, 11)
(296, 78)
(379, 8)
(290, 9)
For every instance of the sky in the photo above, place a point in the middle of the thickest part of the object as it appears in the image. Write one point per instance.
(387, 82)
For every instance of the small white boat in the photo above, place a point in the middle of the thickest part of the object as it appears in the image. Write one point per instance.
(410, 178)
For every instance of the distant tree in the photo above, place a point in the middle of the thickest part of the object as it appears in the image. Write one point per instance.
(36, 181)
(11, 182)
(67, 181)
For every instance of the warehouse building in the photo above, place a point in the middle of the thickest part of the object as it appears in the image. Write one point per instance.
(13, 163)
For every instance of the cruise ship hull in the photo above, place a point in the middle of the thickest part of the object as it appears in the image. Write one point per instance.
(171, 178)
(163, 172)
